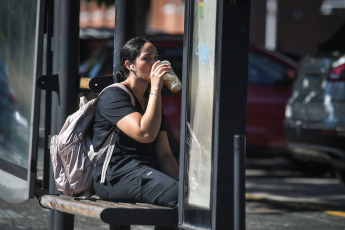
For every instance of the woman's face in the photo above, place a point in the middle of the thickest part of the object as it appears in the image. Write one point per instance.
(144, 62)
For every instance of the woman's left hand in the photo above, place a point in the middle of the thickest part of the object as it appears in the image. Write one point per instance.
(157, 73)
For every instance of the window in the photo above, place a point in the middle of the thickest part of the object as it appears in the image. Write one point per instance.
(263, 70)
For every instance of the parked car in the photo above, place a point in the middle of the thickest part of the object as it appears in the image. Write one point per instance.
(315, 113)
(7, 106)
(270, 77)
(14, 128)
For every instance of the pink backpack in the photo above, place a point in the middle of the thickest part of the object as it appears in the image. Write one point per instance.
(71, 151)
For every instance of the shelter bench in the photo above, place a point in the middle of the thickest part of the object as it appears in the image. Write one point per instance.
(112, 213)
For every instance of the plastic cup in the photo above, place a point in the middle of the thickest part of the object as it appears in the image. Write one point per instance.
(171, 80)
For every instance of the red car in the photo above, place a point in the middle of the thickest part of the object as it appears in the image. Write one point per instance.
(270, 77)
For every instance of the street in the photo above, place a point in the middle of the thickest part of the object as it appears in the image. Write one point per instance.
(278, 196)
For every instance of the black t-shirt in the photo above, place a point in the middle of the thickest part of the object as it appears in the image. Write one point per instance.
(112, 106)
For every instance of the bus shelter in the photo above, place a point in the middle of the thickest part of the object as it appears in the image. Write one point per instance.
(213, 111)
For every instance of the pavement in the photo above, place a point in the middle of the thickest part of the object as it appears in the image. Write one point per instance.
(281, 196)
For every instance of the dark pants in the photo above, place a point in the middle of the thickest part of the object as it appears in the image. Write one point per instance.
(142, 185)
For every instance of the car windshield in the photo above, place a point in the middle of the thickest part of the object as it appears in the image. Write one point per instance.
(263, 70)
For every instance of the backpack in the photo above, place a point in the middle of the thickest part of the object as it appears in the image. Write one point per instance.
(72, 154)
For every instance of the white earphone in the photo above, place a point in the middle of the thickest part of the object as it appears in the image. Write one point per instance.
(132, 67)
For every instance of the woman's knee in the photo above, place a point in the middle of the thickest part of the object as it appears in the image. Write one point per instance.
(170, 196)
(158, 188)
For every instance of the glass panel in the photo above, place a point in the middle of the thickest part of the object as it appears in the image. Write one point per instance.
(18, 31)
(201, 100)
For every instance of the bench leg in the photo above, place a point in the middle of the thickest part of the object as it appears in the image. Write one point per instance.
(119, 227)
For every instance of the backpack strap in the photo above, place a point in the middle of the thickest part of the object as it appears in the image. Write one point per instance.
(111, 140)
(110, 151)
(122, 86)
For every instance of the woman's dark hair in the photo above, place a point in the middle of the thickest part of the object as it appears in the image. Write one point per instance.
(130, 51)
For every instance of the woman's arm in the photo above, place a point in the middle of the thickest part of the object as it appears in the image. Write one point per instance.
(143, 128)
(166, 159)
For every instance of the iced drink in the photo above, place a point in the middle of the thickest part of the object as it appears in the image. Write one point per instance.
(171, 80)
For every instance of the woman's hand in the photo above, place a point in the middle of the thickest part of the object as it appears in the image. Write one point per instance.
(157, 73)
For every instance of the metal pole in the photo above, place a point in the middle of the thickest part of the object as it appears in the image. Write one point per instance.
(48, 173)
(124, 27)
(66, 65)
(124, 30)
(230, 114)
(271, 24)
(239, 182)
(68, 40)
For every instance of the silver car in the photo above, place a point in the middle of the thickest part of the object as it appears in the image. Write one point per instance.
(315, 113)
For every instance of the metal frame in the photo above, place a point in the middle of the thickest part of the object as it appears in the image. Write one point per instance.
(66, 64)
(202, 215)
(185, 70)
(228, 179)
(231, 103)
(38, 93)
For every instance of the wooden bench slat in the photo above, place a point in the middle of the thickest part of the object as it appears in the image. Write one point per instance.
(113, 213)
(71, 206)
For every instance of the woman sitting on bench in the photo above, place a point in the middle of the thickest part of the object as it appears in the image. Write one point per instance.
(142, 168)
